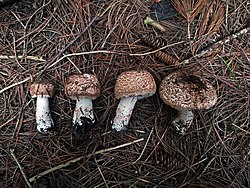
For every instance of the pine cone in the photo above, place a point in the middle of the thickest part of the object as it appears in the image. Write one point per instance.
(166, 58)
(156, 43)
(152, 41)
(164, 159)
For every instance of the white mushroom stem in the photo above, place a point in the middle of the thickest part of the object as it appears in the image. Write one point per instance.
(43, 116)
(123, 113)
(84, 108)
(183, 120)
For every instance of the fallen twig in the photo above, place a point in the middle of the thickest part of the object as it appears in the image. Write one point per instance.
(15, 84)
(35, 58)
(63, 165)
(51, 65)
(159, 49)
(216, 44)
(44, 68)
(203, 52)
(149, 136)
(20, 167)
(245, 131)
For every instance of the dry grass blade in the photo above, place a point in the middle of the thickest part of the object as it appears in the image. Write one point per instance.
(210, 21)
(205, 18)
(189, 9)
(217, 19)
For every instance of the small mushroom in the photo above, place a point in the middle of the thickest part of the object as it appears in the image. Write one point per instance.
(83, 88)
(42, 91)
(130, 87)
(186, 92)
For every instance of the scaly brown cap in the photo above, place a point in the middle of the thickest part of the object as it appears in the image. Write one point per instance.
(82, 85)
(184, 91)
(42, 89)
(134, 83)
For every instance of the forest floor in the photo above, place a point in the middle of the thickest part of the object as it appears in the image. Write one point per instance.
(56, 38)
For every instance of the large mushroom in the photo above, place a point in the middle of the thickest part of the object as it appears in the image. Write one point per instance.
(130, 87)
(42, 90)
(83, 88)
(186, 92)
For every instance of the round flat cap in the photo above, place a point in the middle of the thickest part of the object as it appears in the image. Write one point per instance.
(82, 85)
(42, 89)
(134, 83)
(185, 91)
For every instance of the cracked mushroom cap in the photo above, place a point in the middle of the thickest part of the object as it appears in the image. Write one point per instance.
(134, 83)
(82, 85)
(185, 91)
(41, 89)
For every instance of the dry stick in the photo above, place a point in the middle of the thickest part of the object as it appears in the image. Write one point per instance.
(15, 84)
(38, 28)
(245, 131)
(53, 64)
(63, 165)
(82, 53)
(35, 58)
(227, 39)
(20, 167)
(57, 56)
(99, 169)
(67, 46)
(159, 49)
(215, 45)
(149, 136)
(54, 59)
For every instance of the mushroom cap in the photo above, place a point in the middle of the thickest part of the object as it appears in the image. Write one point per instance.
(42, 89)
(134, 83)
(82, 86)
(185, 91)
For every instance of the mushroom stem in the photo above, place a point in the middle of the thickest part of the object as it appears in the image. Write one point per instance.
(183, 121)
(84, 108)
(123, 113)
(43, 116)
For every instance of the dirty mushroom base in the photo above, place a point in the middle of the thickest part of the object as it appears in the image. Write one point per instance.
(83, 88)
(83, 116)
(186, 92)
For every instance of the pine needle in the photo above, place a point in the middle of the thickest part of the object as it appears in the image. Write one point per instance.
(217, 19)
(189, 9)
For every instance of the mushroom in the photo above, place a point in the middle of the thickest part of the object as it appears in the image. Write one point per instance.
(186, 92)
(83, 88)
(42, 90)
(130, 87)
